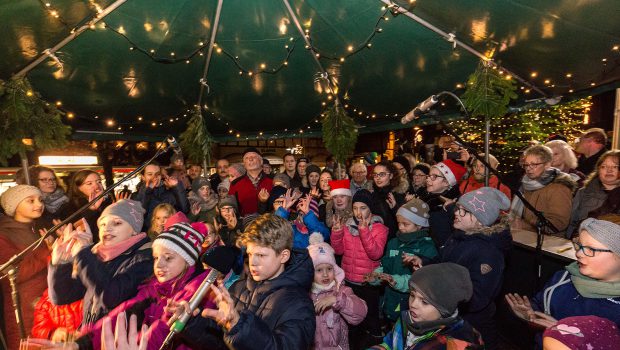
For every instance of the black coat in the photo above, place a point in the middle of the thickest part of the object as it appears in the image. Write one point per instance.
(441, 219)
(381, 208)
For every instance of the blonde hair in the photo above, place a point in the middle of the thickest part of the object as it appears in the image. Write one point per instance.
(161, 206)
(566, 150)
(269, 231)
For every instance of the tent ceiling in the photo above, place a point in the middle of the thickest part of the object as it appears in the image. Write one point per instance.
(103, 80)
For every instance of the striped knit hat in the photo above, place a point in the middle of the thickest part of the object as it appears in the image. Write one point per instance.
(184, 240)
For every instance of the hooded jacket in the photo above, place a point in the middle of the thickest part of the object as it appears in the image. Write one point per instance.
(588, 198)
(361, 253)
(274, 314)
(102, 285)
(380, 207)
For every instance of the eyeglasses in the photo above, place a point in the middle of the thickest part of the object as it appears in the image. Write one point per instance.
(47, 180)
(434, 177)
(381, 174)
(588, 251)
(462, 211)
(531, 165)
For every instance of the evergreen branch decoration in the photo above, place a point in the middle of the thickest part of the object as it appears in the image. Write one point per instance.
(24, 115)
(196, 140)
(488, 92)
(339, 133)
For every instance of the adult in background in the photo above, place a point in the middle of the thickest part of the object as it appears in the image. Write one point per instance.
(359, 178)
(246, 188)
(604, 179)
(45, 179)
(290, 166)
(385, 201)
(418, 180)
(221, 173)
(23, 205)
(154, 189)
(548, 189)
(565, 160)
(302, 164)
(235, 171)
(591, 146)
(403, 167)
(194, 171)
(476, 177)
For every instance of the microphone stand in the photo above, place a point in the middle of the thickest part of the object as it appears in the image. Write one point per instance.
(541, 220)
(12, 265)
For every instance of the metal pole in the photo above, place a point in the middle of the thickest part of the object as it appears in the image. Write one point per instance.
(487, 131)
(216, 23)
(451, 38)
(74, 34)
(24, 159)
(615, 140)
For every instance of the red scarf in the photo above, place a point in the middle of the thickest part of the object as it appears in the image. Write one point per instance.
(110, 252)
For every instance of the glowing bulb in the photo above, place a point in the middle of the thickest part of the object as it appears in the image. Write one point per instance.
(218, 50)
(350, 48)
(341, 59)
(569, 75)
(29, 93)
(110, 122)
(58, 103)
(153, 124)
(533, 74)
(70, 115)
(263, 66)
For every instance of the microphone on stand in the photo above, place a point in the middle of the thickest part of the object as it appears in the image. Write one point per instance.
(422, 107)
(220, 260)
(174, 144)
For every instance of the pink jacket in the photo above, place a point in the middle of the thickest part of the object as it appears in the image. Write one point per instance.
(332, 331)
(362, 253)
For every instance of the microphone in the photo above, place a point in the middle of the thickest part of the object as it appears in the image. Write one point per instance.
(220, 260)
(174, 144)
(422, 107)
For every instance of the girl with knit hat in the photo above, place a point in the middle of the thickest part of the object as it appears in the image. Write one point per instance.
(589, 286)
(432, 320)
(361, 241)
(104, 274)
(202, 200)
(411, 239)
(335, 304)
(582, 333)
(23, 205)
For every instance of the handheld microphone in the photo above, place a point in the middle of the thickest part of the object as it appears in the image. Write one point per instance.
(422, 107)
(174, 144)
(220, 260)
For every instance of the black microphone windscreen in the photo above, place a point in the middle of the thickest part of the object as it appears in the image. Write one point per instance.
(220, 258)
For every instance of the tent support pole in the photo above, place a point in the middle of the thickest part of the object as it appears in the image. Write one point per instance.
(216, 24)
(74, 34)
(451, 38)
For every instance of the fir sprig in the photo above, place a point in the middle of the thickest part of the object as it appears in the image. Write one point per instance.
(339, 133)
(196, 140)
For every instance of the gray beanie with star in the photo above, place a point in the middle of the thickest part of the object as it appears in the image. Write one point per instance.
(129, 210)
(485, 204)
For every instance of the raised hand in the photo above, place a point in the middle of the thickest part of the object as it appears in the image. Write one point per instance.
(387, 278)
(216, 225)
(225, 315)
(263, 195)
(520, 305)
(195, 208)
(324, 304)
(231, 221)
(289, 199)
(413, 260)
(97, 204)
(304, 204)
(542, 319)
(122, 195)
(315, 193)
(391, 201)
(363, 223)
(170, 182)
(336, 222)
(121, 339)
(409, 197)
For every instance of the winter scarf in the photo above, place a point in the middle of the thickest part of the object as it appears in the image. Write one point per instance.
(591, 288)
(423, 328)
(55, 200)
(107, 253)
(318, 288)
(528, 184)
(353, 224)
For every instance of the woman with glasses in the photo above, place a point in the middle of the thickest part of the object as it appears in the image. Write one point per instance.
(385, 201)
(604, 179)
(548, 189)
(418, 180)
(45, 179)
(589, 286)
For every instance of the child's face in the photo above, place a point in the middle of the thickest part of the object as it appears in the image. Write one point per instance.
(167, 264)
(30, 208)
(340, 201)
(420, 309)
(210, 238)
(264, 262)
(114, 230)
(204, 191)
(464, 220)
(324, 274)
(406, 226)
(278, 203)
(361, 211)
(160, 217)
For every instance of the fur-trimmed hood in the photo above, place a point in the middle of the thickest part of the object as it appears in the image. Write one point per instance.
(566, 180)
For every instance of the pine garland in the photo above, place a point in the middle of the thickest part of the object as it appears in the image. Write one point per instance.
(196, 140)
(339, 133)
(488, 93)
(24, 115)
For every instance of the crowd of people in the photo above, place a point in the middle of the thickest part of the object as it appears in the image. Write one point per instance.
(392, 255)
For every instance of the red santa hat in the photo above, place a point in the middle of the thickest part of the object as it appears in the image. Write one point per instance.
(451, 170)
(340, 187)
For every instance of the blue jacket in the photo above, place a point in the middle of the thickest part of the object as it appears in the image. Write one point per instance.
(300, 240)
(102, 285)
(151, 197)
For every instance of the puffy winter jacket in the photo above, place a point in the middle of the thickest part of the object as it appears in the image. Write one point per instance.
(332, 330)
(301, 239)
(49, 317)
(361, 253)
(588, 198)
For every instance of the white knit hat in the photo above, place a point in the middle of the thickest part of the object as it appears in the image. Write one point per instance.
(13, 196)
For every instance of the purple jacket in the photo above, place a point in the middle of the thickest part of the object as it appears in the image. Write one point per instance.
(150, 302)
(332, 331)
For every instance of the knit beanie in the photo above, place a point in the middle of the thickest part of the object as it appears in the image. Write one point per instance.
(363, 196)
(224, 184)
(443, 285)
(314, 207)
(175, 219)
(129, 210)
(485, 204)
(603, 231)
(585, 333)
(229, 201)
(323, 253)
(184, 239)
(13, 196)
(276, 192)
(312, 169)
(340, 187)
(251, 150)
(416, 211)
(199, 182)
(452, 171)
(282, 178)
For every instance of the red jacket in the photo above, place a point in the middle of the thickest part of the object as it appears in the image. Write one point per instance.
(247, 194)
(49, 317)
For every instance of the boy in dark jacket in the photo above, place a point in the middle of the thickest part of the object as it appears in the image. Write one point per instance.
(270, 308)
